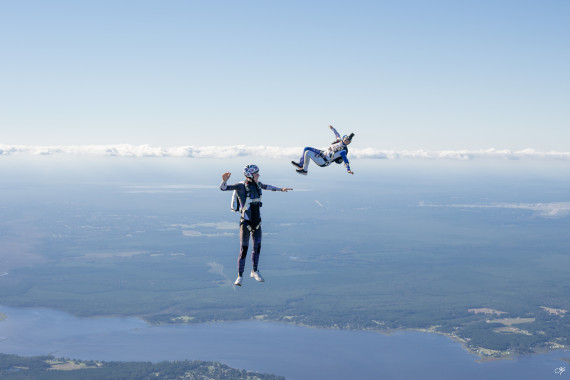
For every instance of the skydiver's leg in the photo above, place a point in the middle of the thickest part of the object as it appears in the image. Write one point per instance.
(312, 154)
(302, 160)
(256, 250)
(244, 243)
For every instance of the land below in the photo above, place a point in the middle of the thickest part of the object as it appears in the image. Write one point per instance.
(403, 254)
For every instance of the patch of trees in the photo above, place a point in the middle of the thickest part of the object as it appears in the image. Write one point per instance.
(13, 367)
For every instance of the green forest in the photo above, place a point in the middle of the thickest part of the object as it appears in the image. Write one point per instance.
(387, 263)
(14, 367)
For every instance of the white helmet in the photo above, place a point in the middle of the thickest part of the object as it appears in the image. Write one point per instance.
(250, 170)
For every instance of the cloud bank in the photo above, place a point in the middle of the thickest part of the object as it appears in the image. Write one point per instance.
(127, 150)
(547, 210)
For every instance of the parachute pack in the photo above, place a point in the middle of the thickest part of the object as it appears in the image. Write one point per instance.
(234, 205)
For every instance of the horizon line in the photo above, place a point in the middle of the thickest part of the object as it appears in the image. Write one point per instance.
(230, 151)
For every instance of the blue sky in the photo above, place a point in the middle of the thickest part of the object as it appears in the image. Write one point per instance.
(400, 74)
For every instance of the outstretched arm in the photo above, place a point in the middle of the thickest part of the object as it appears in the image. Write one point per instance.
(274, 188)
(345, 159)
(335, 132)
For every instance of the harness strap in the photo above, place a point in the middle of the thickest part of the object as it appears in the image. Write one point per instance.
(251, 229)
(249, 200)
(328, 154)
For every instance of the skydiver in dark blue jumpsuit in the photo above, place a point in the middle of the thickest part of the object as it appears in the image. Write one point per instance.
(249, 195)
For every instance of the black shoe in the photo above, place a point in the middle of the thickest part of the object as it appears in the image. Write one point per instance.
(296, 164)
(301, 171)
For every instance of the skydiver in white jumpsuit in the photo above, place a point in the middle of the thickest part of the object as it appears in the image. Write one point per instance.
(337, 152)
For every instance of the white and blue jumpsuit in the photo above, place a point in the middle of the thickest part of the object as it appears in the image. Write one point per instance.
(325, 157)
(250, 221)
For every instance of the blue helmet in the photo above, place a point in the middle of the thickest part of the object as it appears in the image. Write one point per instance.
(250, 170)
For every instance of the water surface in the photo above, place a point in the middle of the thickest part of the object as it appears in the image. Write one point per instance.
(298, 353)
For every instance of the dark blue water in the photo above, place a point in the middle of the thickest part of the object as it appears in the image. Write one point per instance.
(294, 352)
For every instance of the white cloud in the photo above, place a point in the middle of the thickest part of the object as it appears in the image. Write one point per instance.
(548, 210)
(217, 226)
(127, 150)
(192, 233)
(207, 229)
(165, 189)
(462, 155)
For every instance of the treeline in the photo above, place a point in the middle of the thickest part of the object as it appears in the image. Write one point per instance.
(546, 328)
(481, 334)
(14, 367)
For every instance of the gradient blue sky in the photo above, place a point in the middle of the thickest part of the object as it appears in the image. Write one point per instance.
(400, 74)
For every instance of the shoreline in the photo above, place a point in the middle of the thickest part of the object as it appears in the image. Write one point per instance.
(483, 354)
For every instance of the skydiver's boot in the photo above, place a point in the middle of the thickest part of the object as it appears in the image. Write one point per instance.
(238, 280)
(301, 171)
(257, 276)
(298, 166)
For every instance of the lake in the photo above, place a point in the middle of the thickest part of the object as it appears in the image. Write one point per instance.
(295, 352)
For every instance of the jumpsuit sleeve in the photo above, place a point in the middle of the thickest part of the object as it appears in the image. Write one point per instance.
(224, 186)
(335, 133)
(269, 187)
(345, 159)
